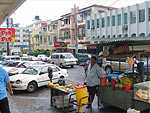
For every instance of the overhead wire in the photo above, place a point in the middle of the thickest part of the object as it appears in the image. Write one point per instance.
(114, 3)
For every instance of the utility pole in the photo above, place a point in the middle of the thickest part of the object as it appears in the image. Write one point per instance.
(29, 40)
(75, 30)
(8, 53)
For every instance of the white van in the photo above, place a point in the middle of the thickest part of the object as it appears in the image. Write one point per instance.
(11, 58)
(63, 59)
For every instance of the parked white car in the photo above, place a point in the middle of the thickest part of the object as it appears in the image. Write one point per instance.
(43, 57)
(22, 66)
(36, 76)
(8, 65)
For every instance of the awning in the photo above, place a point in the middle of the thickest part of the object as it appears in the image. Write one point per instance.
(36, 35)
(119, 48)
(7, 7)
(118, 42)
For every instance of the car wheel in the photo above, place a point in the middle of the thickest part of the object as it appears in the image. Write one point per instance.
(32, 86)
(108, 70)
(72, 66)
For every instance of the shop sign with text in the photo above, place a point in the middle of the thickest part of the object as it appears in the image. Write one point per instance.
(7, 35)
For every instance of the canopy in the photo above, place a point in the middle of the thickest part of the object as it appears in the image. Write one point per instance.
(118, 48)
(7, 7)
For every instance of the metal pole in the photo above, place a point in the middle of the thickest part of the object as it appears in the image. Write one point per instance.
(8, 42)
(29, 41)
(75, 30)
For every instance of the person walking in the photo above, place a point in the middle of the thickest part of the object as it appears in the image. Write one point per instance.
(4, 81)
(50, 73)
(94, 72)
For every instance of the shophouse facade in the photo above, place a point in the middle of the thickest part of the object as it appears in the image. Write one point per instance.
(128, 22)
(53, 32)
(73, 30)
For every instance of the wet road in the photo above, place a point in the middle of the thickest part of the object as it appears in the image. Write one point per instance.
(39, 101)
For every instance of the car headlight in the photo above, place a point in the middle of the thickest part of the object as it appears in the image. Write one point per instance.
(18, 81)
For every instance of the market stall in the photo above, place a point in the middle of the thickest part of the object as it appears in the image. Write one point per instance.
(123, 90)
(59, 94)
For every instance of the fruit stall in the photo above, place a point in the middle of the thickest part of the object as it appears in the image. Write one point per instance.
(130, 89)
(59, 94)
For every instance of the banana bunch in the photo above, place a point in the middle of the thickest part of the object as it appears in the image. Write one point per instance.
(126, 81)
(68, 86)
(53, 85)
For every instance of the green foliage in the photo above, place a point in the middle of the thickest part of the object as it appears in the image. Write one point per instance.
(38, 52)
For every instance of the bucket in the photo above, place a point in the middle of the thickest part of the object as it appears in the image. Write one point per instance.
(81, 91)
(103, 81)
(127, 87)
(113, 82)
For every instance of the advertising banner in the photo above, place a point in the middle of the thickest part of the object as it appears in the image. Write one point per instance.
(7, 35)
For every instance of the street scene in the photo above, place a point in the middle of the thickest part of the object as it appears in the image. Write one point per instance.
(74, 56)
(39, 101)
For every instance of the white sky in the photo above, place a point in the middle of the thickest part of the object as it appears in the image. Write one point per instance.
(53, 9)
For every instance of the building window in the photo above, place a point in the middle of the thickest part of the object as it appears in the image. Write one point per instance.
(48, 28)
(54, 26)
(148, 14)
(97, 23)
(49, 38)
(45, 39)
(108, 21)
(125, 18)
(113, 21)
(88, 24)
(119, 19)
(142, 15)
(103, 22)
(93, 24)
(132, 17)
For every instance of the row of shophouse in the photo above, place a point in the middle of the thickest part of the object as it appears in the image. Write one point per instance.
(89, 25)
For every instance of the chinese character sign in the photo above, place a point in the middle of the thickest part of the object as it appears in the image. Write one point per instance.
(7, 35)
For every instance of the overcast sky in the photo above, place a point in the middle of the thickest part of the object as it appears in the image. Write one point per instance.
(53, 9)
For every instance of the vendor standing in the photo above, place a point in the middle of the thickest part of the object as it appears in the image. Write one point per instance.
(94, 72)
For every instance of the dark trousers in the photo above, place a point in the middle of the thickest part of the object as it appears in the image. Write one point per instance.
(92, 91)
(4, 106)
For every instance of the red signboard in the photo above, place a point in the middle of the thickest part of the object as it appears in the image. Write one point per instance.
(7, 35)
(59, 44)
(56, 44)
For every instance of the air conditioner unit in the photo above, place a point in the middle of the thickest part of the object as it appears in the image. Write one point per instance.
(125, 26)
(93, 27)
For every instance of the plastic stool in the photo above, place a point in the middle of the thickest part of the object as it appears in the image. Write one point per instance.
(74, 102)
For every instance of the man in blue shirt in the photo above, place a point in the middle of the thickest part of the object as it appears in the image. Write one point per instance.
(4, 81)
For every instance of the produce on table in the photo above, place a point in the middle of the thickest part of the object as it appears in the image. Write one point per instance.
(126, 81)
(67, 88)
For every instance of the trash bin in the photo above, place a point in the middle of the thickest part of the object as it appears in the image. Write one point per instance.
(103, 81)
(81, 91)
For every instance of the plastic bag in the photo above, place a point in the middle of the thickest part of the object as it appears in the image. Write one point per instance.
(130, 61)
(132, 111)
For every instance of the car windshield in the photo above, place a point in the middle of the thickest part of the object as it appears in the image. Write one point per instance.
(68, 56)
(84, 56)
(5, 63)
(31, 71)
(13, 64)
